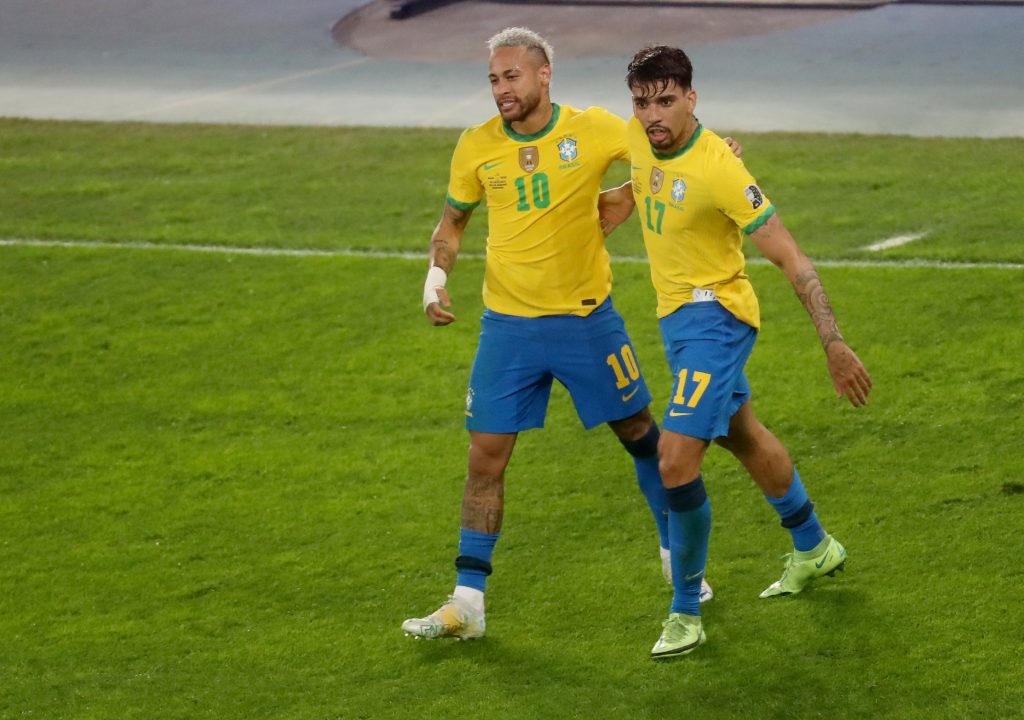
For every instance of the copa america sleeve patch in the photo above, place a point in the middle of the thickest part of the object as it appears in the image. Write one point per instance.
(754, 195)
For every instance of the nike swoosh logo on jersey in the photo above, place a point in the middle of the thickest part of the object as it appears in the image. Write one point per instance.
(491, 166)
(627, 398)
(673, 413)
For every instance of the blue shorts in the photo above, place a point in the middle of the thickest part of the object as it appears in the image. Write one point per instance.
(707, 349)
(518, 358)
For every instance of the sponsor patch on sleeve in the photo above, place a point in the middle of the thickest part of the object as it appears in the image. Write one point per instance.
(754, 195)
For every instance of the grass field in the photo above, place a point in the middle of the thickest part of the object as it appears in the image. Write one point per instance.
(226, 479)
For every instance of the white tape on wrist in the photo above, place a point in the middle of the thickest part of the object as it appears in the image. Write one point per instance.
(436, 278)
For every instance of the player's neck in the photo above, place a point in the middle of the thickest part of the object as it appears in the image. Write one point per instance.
(536, 121)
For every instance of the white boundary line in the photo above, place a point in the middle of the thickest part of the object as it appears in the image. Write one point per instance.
(894, 242)
(422, 256)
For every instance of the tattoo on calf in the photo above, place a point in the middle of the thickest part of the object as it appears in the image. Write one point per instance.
(483, 503)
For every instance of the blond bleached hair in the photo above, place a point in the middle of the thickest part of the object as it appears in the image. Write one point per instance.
(525, 38)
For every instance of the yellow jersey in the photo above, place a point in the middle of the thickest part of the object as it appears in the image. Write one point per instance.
(545, 249)
(695, 206)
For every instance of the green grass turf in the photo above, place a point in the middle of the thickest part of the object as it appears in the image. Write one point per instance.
(383, 188)
(224, 481)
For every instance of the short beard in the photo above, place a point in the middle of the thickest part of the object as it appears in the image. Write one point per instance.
(527, 105)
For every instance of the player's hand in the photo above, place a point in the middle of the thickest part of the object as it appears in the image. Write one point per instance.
(438, 315)
(849, 377)
(736, 148)
(614, 207)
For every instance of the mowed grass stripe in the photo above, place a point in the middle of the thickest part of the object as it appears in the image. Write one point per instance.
(420, 256)
(309, 187)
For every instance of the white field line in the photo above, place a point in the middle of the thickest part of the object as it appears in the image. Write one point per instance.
(422, 256)
(894, 242)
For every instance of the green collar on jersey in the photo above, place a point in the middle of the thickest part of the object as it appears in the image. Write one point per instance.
(683, 149)
(555, 111)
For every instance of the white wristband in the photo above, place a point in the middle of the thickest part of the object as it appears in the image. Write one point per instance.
(436, 278)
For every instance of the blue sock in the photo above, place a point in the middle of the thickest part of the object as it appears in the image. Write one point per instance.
(473, 564)
(648, 477)
(689, 529)
(798, 516)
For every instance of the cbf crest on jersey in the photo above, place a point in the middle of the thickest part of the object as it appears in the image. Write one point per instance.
(657, 178)
(678, 190)
(754, 195)
(529, 158)
(567, 149)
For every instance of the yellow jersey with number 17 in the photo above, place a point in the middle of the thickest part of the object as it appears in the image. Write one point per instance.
(695, 206)
(545, 248)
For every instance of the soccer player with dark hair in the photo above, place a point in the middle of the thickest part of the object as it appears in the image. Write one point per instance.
(547, 292)
(696, 202)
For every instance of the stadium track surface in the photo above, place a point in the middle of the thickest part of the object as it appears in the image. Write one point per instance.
(927, 70)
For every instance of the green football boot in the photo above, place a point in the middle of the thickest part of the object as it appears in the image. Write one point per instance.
(803, 567)
(681, 634)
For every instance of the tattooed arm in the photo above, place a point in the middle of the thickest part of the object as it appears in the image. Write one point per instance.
(848, 374)
(444, 248)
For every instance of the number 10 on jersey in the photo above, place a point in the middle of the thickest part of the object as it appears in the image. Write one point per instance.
(539, 190)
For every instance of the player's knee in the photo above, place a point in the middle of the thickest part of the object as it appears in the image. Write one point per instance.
(746, 439)
(678, 469)
(488, 458)
(644, 446)
(487, 465)
(635, 427)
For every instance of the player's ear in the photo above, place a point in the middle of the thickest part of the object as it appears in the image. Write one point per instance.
(545, 75)
(691, 100)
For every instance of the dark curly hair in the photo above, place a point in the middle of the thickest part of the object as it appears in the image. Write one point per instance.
(656, 67)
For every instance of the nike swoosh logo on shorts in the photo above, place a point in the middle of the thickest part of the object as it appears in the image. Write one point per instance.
(673, 413)
(627, 398)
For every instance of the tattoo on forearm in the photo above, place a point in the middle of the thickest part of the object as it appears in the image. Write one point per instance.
(483, 503)
(444, 255)
(812, 294)
(457, 217)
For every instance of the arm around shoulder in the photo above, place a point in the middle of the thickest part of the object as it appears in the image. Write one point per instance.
(614, 206)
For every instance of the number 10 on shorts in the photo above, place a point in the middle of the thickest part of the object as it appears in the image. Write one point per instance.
(701, 378)
(630, 364)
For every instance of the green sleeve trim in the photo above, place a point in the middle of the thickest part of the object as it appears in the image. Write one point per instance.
(761, 220)
(464, 206)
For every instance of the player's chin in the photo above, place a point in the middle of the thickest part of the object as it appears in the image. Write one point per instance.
(659, 141)
(511, 115)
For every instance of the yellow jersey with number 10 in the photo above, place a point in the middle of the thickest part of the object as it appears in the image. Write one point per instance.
(695, 206)
(545, 248)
